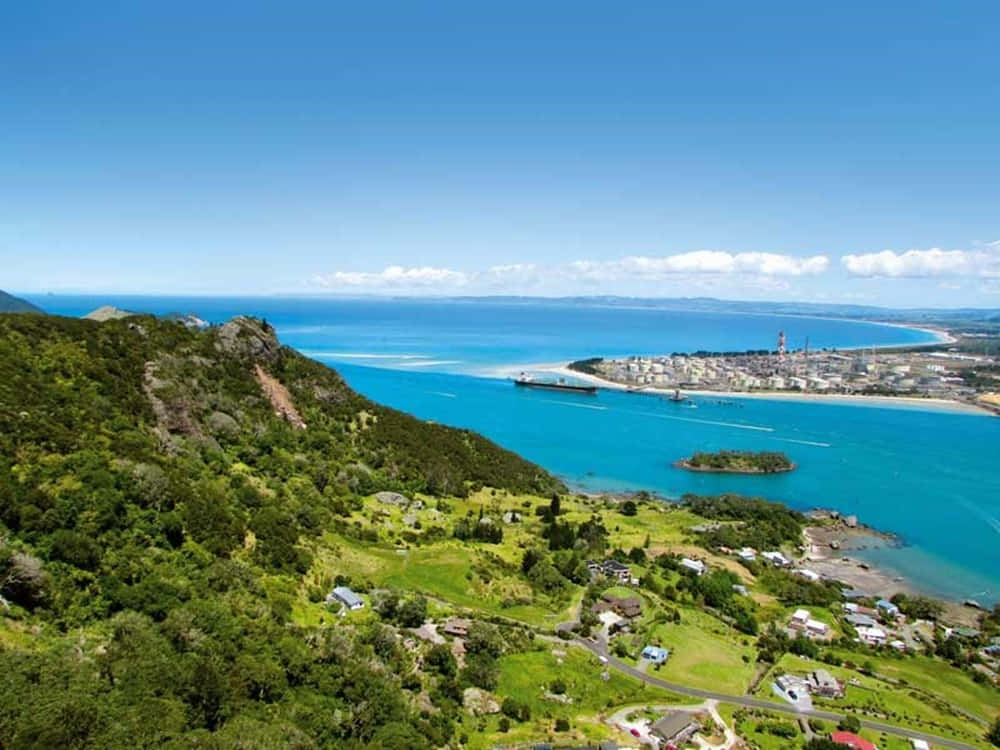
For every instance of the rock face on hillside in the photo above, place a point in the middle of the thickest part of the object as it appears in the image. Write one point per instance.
(248, 339)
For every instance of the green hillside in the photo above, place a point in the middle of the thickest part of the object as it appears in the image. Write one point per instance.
(162, 491)
(11, 304)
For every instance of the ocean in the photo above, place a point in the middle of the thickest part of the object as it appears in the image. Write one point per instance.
(928, 476)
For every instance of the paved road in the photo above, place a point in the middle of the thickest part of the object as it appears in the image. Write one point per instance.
(600, 649)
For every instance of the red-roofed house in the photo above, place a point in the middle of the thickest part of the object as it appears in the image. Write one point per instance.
(852, 740)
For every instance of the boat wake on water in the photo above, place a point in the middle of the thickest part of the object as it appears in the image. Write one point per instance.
(578, 406)
(805, 442)
(734, 425)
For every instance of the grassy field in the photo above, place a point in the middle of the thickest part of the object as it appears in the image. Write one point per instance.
(704, 653)
(485, 578)
(528, 677)
(464, 577)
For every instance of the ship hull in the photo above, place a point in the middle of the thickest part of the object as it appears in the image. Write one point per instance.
(590, 390)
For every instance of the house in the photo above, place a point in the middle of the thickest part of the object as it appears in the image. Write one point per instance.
(740, 589)
(809, 575)
(920, 745)
(748, 554)
(861, 621)
(457, 627)
(655, 654)
(873, 636)
(890, 609)
(695, 566)
(346, 597)
(852, 740)
(675, 728)
(817, 629)
(629, 606)
(799, 619)
(610, 569)
(821, 682)
(776, 558)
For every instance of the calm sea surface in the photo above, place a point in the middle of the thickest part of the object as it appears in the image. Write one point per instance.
(929, 476)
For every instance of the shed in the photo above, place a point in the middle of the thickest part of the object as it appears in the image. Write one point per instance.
(348, 598)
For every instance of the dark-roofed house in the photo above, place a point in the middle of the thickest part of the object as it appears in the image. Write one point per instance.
(863, 621)
(676, 727)
(630, 606)
(611, 569)
(821, 682)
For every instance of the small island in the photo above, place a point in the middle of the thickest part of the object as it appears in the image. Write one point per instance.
(738, 462)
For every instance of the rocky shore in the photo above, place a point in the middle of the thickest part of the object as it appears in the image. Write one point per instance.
(829, 543)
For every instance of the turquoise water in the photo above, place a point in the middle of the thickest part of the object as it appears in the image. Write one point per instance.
(928, 476)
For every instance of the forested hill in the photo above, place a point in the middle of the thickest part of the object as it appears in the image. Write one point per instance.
(161, 493)
(11, 304)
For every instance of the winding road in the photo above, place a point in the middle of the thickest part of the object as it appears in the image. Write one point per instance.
(600, 649)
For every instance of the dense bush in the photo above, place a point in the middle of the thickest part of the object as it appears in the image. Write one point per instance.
(156, 510)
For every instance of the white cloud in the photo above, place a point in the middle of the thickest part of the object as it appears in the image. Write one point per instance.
(717, 262)
(983, 261)
(393, 277)
(755, 268)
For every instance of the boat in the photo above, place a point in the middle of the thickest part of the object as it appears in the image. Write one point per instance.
(677, 396)
(526, 381)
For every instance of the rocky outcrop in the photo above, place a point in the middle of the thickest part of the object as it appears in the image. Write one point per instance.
(249, 340)
(480, 702)
(108, 312)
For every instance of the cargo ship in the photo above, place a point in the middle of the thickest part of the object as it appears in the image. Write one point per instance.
(526, 381)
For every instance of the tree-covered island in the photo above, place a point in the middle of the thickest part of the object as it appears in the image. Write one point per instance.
(738, 462)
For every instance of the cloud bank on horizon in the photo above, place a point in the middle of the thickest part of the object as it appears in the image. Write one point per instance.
(702, 268)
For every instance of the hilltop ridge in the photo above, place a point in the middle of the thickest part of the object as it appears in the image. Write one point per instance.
(11, 304)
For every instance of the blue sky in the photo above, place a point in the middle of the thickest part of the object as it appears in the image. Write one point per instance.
(849, 152)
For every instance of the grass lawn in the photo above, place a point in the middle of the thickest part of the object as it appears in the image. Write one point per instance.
(443, 571)
(894, 704)
(945, 681)
(528, 676)
(753, 725)
(704, 653)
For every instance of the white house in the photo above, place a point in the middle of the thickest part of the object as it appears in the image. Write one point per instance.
(873, 636)
(817, 629)
(809, 575)
(694, 565)
(776, 558)
(800, 617)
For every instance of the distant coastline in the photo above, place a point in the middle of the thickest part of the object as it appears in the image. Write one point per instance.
(928, 404)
